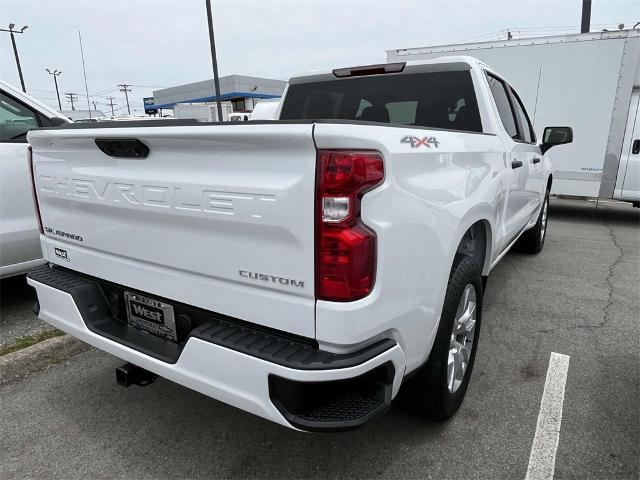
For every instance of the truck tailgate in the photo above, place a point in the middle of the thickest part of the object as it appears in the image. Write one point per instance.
(216, 216)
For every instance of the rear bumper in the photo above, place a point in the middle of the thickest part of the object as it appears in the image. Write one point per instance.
(302, 388)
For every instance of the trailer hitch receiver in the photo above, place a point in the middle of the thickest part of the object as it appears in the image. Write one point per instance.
(130, 374)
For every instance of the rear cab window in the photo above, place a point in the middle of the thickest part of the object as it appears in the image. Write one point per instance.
(444, 100)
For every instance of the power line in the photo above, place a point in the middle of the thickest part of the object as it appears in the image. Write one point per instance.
(542, 30)
(149, 86)
(125, 88)
(485, 35)
(106, 90)
(46, 90)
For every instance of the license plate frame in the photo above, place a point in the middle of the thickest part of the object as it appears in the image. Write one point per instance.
(151, 315)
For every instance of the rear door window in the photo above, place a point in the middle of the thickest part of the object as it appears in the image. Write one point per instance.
(501, 97)
(418, 99)
(526, 129)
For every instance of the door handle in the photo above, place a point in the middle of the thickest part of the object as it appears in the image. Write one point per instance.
(536, 159)
(516, 164)
(122, 148)
(636, 146)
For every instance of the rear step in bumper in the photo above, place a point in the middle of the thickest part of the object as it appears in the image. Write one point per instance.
(305, 388)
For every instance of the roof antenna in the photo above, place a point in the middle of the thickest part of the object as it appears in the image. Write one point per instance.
(86, 88)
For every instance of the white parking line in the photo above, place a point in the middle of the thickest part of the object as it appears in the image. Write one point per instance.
(542, 460)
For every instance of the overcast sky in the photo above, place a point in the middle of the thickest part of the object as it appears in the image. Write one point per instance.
(161, 43)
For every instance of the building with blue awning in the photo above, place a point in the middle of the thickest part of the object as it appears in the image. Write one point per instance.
(241, 90)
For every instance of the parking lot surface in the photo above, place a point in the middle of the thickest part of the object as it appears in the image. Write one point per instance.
(16, 317)
(579, 297)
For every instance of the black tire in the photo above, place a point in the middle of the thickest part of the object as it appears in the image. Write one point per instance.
(532, 241)
(426, 393)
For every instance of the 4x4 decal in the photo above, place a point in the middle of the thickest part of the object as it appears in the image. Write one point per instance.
(416, 142)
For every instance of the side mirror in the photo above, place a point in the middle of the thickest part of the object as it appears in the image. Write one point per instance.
(553, 136)
(56, 122)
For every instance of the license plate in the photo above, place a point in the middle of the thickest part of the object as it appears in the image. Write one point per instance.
(151, 315)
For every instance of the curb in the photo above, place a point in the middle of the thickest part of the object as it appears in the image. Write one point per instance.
(38, 357)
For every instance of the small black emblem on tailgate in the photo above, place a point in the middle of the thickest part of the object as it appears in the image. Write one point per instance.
(61, 253)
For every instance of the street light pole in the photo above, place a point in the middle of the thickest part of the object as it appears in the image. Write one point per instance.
(15, 49)
(585, 25)
(214, 61)
(55, 74)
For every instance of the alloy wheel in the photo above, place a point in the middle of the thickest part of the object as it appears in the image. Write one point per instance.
(462, 338)
(543, 225)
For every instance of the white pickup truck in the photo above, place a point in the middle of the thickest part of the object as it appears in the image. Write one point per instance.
(19, 236)
(301, 269)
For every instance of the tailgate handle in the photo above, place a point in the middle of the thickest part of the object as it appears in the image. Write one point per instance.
(122, 147)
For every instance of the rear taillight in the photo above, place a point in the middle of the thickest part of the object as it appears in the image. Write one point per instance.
(33, 188)
(345, 247)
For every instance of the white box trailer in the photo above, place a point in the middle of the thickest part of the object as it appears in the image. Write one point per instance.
(590, 82)
(203, 112)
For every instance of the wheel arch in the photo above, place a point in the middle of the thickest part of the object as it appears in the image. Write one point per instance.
(476, 242)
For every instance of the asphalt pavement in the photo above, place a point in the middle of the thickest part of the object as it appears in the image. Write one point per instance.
(579, 297)
(16, 317)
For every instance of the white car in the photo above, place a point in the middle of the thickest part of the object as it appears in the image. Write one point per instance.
(300, 269)
(239, 117)
(266, 109)
(19, 240)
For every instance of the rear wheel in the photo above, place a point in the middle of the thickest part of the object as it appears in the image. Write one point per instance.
(532, 241)
(437, 390)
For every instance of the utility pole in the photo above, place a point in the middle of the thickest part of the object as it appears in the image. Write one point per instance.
(55, 74)
(71, 97)
(214, 61)
(125, 88)
(586, 16)
(111, 104)
(11, 31)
